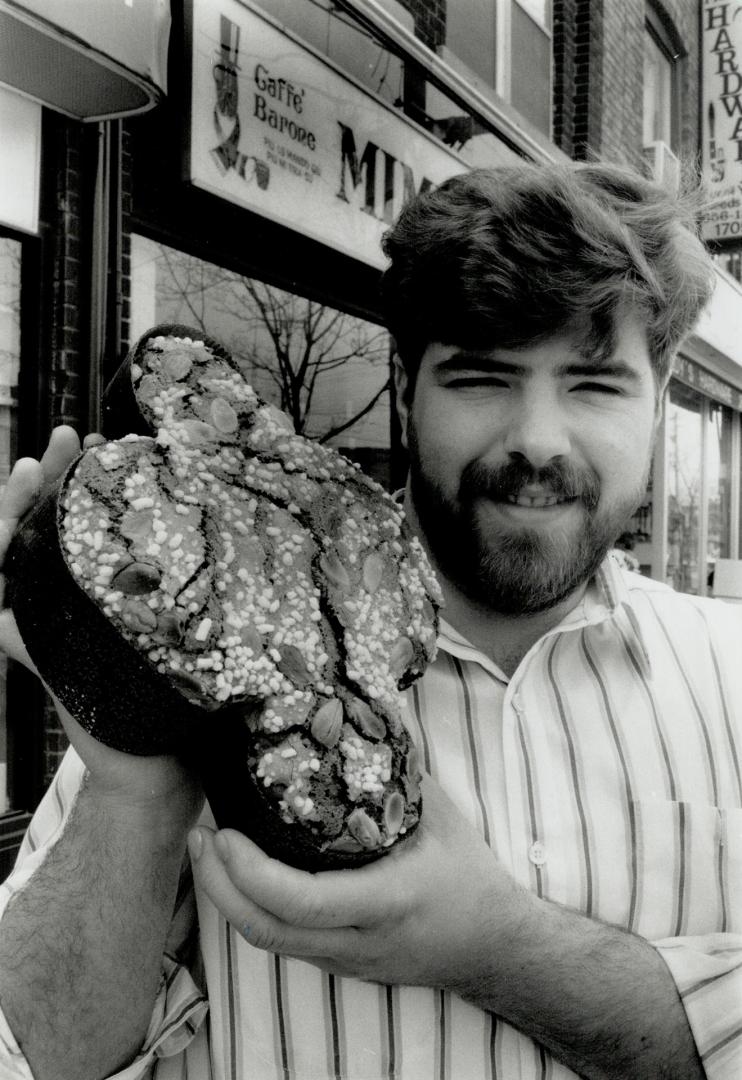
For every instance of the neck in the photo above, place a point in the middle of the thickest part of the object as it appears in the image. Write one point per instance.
(505, 638)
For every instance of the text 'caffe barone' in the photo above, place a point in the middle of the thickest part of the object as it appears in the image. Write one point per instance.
(280, 131)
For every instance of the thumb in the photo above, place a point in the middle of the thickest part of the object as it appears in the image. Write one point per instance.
(11, 642)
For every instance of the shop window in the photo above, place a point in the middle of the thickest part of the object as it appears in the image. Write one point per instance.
(10, 333)
(661, 88)
(719, 426)
(334, 33)
(684, 433)
(328, 370)
(488, 36)
(702, 442)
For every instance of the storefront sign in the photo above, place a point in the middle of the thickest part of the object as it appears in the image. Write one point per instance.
(722, 118)
(277, 129)
(20, 138)
(694, 375)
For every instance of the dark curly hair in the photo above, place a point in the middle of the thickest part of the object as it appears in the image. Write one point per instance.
(509, 256)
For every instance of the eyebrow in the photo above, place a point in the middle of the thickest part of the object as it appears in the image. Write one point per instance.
(612, 368)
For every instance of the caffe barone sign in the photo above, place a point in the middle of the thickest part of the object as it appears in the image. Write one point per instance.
(722, 118)
(276, 129)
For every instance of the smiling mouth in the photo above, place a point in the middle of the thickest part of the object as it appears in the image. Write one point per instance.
(537, 501)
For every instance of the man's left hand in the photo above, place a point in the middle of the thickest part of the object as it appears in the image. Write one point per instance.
(417, 916)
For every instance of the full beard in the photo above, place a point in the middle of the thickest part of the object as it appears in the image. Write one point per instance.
(516, 570)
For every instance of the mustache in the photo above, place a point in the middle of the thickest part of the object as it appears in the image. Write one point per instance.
(501, 481)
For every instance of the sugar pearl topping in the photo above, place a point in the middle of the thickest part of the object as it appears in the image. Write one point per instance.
(251, 564)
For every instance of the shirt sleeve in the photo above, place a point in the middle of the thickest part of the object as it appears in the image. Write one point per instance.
(180, 1007)
(708, 974)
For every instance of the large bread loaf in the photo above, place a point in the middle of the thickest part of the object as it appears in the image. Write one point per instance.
(209, 583)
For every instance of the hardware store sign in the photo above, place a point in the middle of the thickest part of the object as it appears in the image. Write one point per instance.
(722, 118)
(275, 129)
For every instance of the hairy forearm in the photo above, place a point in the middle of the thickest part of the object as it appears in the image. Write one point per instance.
(81, 944)
(600, 999)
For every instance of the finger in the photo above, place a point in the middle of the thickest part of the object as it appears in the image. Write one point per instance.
(20, 494)
(332, 898)
(63, 448)
(259, 927)
(93, 439)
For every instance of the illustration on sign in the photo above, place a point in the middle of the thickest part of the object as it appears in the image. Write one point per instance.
(722, 119)
(226, 112)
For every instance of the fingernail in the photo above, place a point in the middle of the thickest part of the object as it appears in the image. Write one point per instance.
(195, 844)
(222, 846)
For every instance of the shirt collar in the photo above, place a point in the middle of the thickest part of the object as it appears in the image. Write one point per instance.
(607, 597)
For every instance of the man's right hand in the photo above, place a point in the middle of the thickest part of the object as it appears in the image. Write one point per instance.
(134, 779)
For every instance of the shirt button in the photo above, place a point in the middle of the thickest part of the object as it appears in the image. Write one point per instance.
(537, 853)
(517, 703)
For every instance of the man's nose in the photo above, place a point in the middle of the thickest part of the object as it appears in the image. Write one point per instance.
(537, 430)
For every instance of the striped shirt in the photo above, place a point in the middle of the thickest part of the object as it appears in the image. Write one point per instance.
(605, 775)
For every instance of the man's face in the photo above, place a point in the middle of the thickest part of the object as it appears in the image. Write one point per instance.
(526, 464)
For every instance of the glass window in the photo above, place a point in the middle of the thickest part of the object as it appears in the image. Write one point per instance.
(684, 475)
(470, 35)
(328, 370)
(539, 10)
(519, 33)
(10, 336)
(530, 89)
(719, 466)
(658, 90)
(336, 34)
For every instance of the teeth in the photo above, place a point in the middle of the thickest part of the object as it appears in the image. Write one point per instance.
(535, 500)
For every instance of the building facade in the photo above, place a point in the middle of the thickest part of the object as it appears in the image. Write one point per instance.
(232, 165)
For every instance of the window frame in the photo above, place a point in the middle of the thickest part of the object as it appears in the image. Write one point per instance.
(668, 43)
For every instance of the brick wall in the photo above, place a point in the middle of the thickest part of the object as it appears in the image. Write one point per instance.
(598, 76)
(565, 71)
(430, 20)
(65, 213)
(578, 77)
(68, 149)
(623, 59)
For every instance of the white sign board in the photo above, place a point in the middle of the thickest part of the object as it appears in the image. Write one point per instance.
(722, 118)
(276, 129)
(20, 138)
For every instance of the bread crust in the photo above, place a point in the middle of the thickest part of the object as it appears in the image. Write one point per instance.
(212, 585)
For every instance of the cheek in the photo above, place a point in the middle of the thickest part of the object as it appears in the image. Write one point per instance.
(625, 457)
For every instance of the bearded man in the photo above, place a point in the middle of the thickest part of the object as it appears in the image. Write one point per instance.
(572, 901)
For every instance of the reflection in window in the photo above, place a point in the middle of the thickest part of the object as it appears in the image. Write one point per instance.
(336, 34)
(684, 443)
(719, 466)
(329, 371)
(478, 32)
(530, 74)
(10, 334)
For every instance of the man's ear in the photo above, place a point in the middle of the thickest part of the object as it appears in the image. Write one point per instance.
(401, 391)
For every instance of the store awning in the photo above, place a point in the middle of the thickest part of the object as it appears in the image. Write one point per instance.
(88, 59)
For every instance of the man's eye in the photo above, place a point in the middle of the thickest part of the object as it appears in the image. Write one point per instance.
(597, 388)
(462, 382)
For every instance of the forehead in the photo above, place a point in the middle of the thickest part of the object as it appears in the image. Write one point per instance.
(621, 342)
